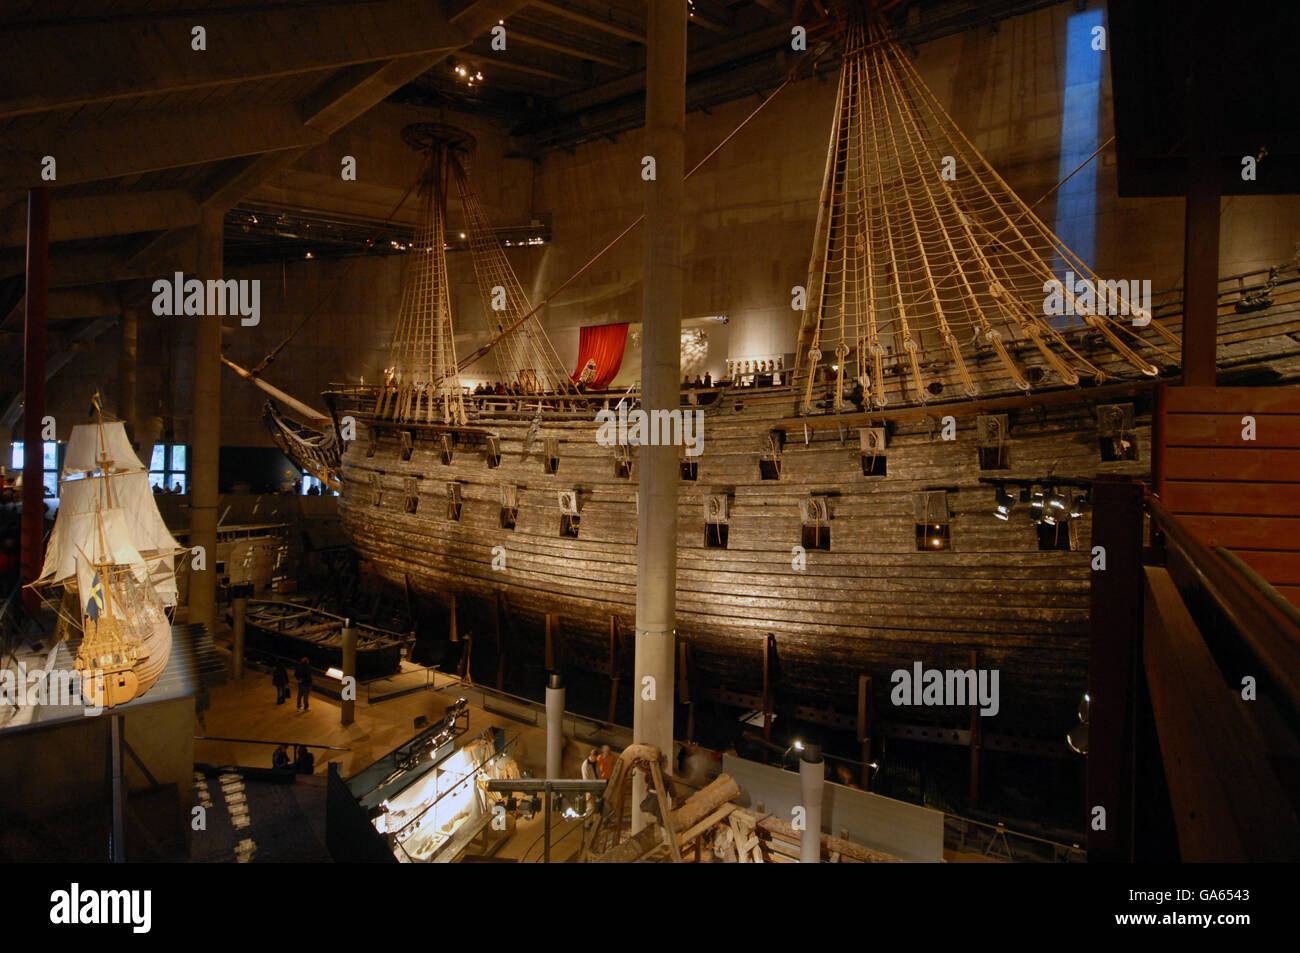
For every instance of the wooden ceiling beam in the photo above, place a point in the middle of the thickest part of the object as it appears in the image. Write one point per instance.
(151, 142)
(697, 17)
(494, 63)
(529, 40)
(578, 16)
(82, 217)
(343, 98)
(64, 64)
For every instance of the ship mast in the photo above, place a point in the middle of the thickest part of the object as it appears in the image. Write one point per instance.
(929, 274)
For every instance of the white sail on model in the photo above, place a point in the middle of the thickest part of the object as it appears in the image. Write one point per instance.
(102, 473)
(110, 542)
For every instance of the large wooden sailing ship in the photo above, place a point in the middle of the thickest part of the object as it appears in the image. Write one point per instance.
(115, 560)
(917, 492)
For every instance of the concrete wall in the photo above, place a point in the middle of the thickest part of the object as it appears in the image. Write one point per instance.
(57, 775)
(907, 831)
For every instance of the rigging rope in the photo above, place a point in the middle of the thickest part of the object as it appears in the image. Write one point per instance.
(924, 243)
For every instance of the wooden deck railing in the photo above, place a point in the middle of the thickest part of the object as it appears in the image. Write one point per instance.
(1195, 697)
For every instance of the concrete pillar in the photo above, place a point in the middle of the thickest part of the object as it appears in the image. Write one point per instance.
(656, 551)
(812, 782)
(348, 710)
(35, 311)
(554, 724)
(147, 433)
(205, 430)
(126, 373)
(239, 611)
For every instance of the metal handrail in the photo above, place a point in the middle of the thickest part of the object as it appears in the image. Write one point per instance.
(1271, 634)
(255, 741)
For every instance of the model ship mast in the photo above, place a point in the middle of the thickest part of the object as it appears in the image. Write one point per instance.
(112, 549)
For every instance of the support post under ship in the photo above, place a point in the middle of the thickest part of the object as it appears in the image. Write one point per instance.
(819, 527)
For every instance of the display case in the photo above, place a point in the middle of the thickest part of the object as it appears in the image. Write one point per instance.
(427, 798)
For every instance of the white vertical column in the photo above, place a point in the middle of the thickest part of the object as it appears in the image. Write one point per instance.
(656, 554)
(812, 781)
(554, 724)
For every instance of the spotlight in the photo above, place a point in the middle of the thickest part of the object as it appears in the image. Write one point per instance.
(1005, 503)
(1078, 503)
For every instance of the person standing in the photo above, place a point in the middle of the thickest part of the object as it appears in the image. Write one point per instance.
(607, 760)
(303, 674)
(591, 772)
(280, 679)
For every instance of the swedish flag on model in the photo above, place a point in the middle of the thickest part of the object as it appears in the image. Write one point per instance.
(95, 406)
(95, 600)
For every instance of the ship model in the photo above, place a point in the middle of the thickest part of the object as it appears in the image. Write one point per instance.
(114, 559)
(915, 491)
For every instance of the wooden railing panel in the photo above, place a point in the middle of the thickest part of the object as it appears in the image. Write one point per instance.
(1195, 498)
(1244, 464)
(1228, 804)
(1230, 465)
(1243, 533)
(1279, 568)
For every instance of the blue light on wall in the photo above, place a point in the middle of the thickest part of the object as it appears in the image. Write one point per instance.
(1076, 201)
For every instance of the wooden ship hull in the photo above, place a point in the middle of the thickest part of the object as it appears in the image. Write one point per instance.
(871, 604)
(928, 294)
